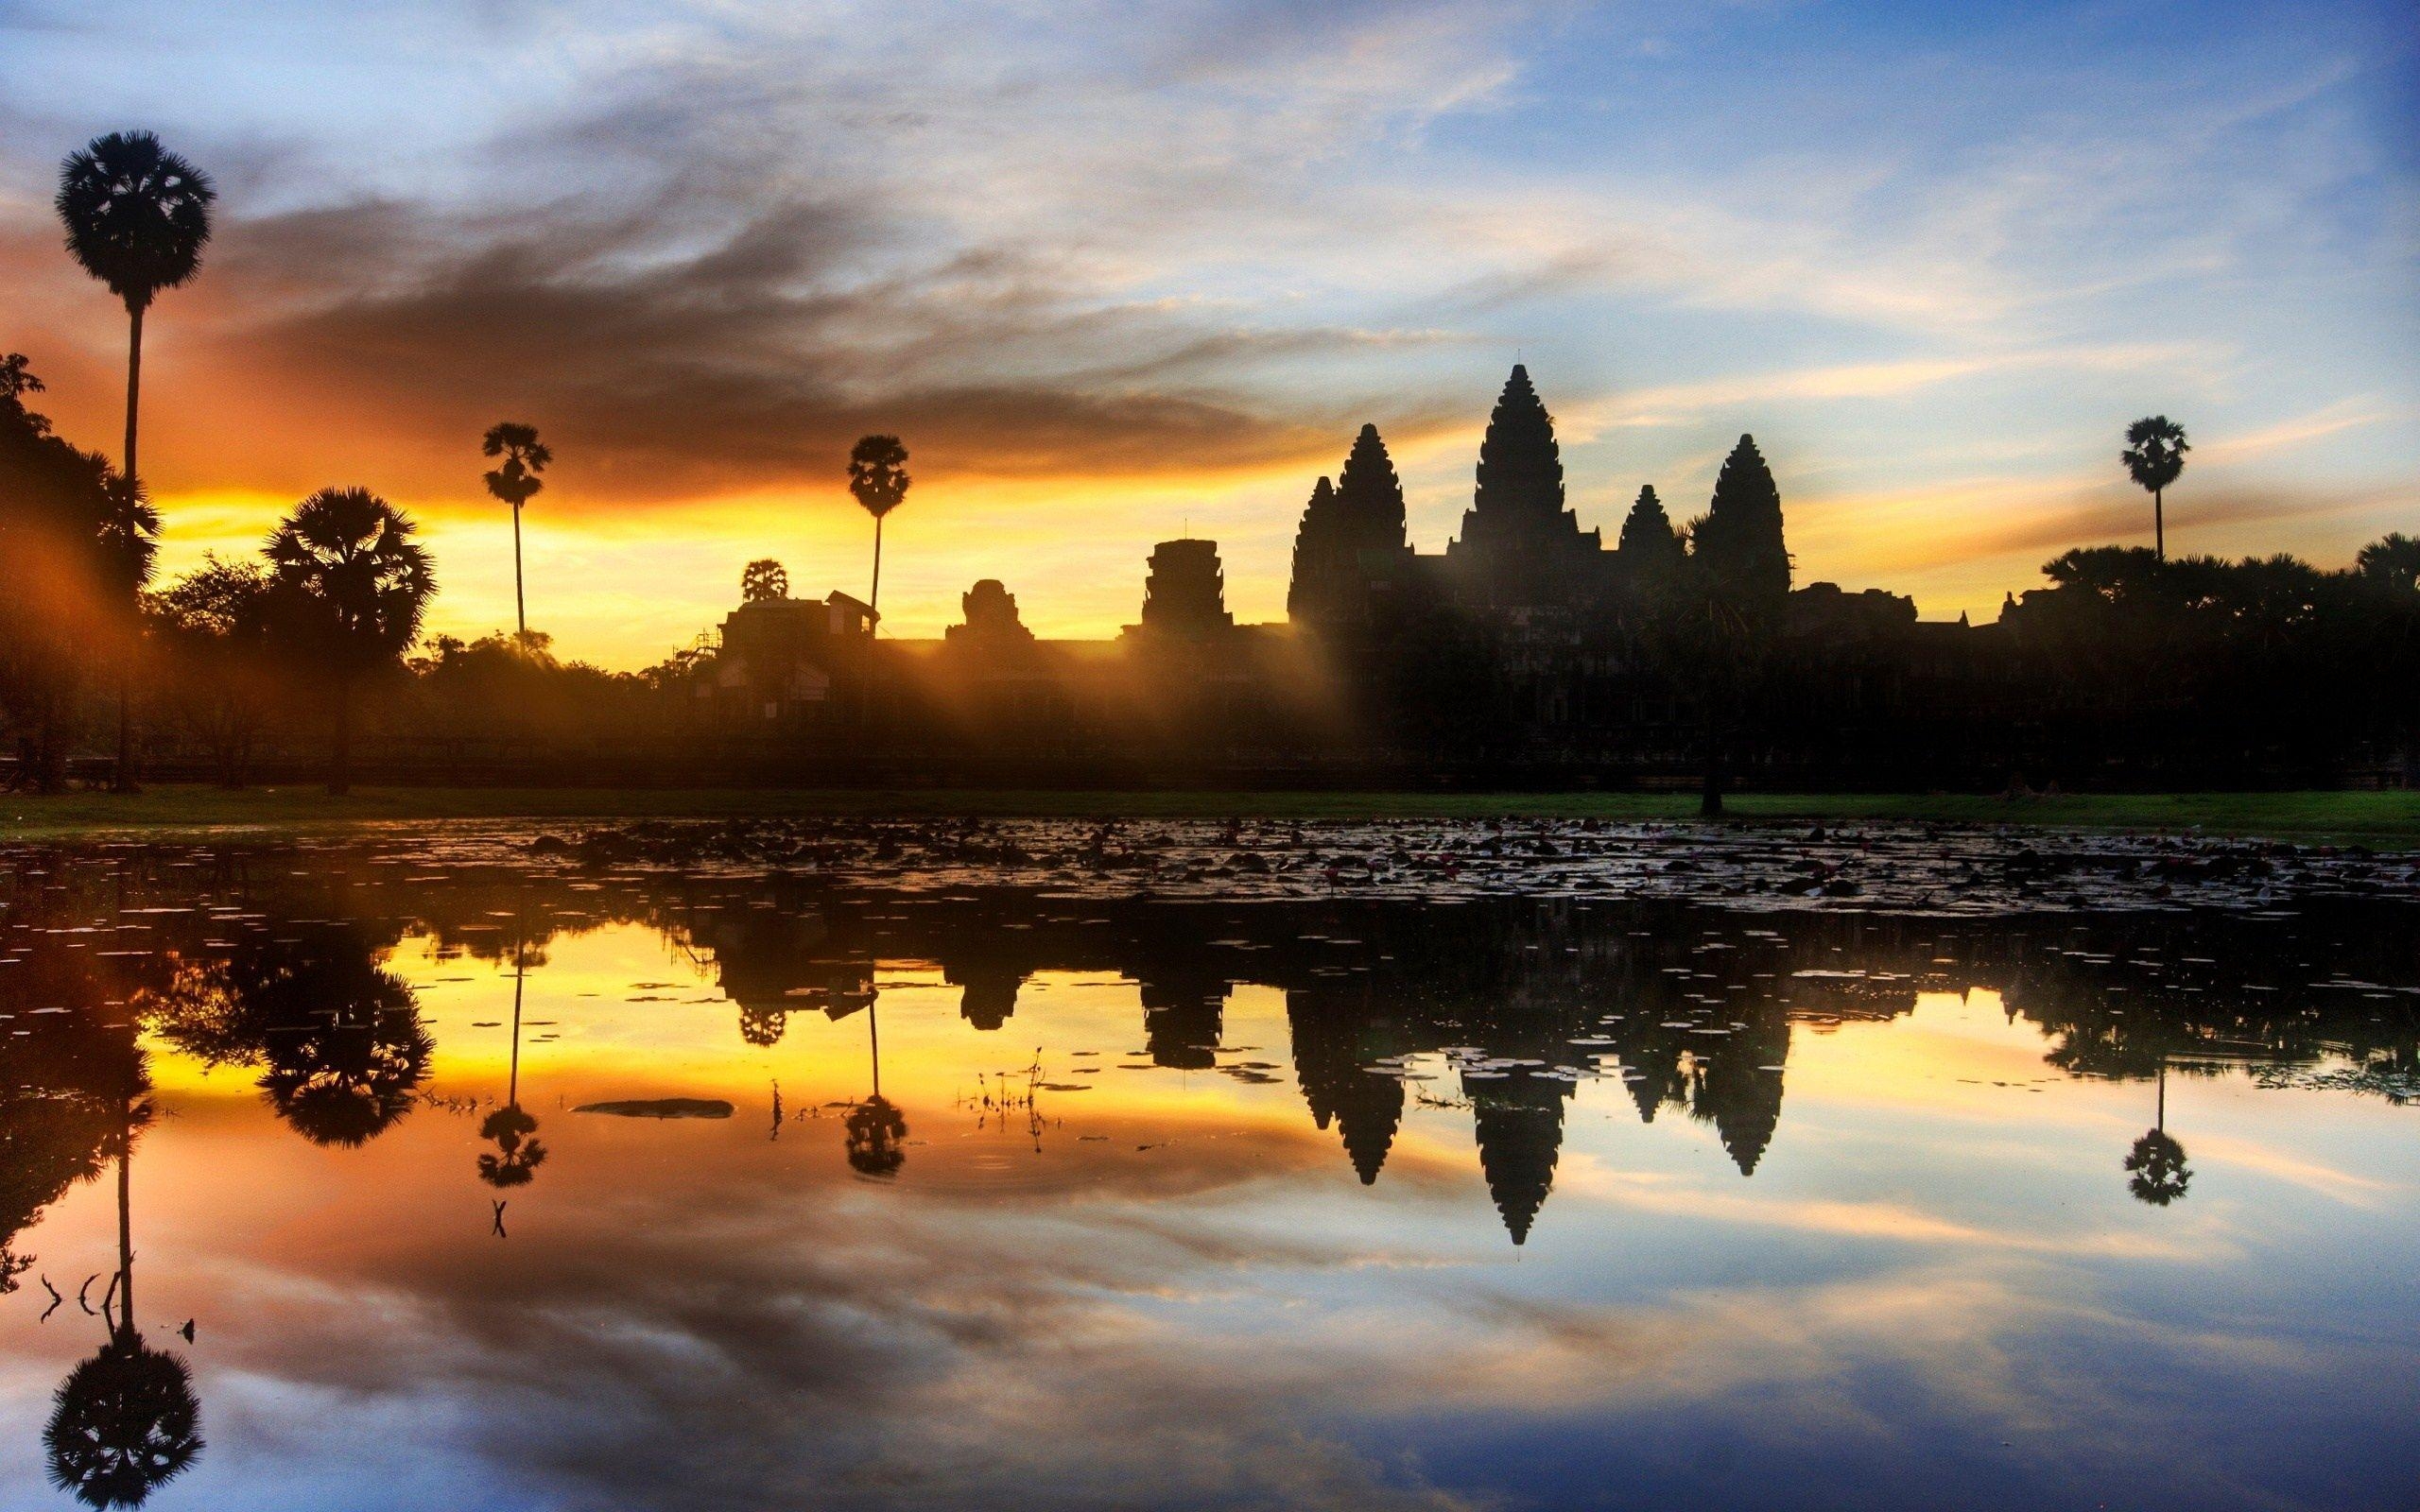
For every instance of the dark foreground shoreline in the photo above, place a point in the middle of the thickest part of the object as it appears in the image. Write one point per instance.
(2381, 819)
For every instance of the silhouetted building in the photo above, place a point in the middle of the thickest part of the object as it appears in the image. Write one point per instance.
(1351, 554)
(991, 620)
(1184, 597)
(789, 661)
(1519, 1124)
(1526, 644)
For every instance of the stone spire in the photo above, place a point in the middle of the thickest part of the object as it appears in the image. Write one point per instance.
(1519, 1126)
(1352, 537)
(1648, 542)
(1519, 498)
(1739, 540)
(1315, 553)
(1519, 545)
(1370, 496)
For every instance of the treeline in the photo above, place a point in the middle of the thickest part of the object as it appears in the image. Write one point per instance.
(2210, 665)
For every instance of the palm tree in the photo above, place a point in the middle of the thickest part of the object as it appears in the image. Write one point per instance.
(516, 482)
(2154, 455)
(874, 1129)
(351, 586)
(518, 1153)
(878, 478)
(124, 1422)
(137, 218)
(2156, 1166)
(2393, 560)
(763, 580)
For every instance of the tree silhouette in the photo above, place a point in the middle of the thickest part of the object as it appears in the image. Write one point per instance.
(17, 379)
(2154, 457)
(346, 1073)
(764, 579)
(879, 480)
(338, 1038)
(351, 587)
(516, 482)
(874, 1128)
(124, 1422)
(137, 218)
(72, 543)
(518, 1153)
(2391, 560)
(72, 1084)
(210, 630)
(2156, 1166)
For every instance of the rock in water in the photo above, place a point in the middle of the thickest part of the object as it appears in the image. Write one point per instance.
(661, 1107)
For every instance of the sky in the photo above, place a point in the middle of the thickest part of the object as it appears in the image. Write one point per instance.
(1118, 272)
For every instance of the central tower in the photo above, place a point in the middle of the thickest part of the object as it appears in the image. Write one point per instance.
(1519, 545)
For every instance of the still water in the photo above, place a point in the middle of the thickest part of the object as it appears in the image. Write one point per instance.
(1356, 1167)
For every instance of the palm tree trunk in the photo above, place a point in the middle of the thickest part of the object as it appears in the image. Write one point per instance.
(133, 388)
(122, 780)
(126, 1220)
(865, 692)
(340, 755)
(2159, 526)
(520, 974)
(520, 613)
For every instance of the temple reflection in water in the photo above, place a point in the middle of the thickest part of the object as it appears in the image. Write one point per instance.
(304, 976)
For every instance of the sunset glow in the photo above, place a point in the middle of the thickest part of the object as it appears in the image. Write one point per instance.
(1114, 277)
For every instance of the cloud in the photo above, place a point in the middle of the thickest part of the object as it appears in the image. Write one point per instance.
(1180, 253)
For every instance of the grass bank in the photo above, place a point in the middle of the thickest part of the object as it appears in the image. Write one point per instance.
(2383, 819)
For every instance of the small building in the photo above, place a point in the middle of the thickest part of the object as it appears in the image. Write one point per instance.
(1184, 594)
(785, 662)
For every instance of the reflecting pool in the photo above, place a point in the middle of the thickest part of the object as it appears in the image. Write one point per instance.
(1341, 1166)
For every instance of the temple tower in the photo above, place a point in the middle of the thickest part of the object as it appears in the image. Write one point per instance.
(1185, 594)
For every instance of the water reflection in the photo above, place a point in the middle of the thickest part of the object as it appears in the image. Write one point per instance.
(1204, 1063)
(518, 1153)
(336, 1038)
(124, 1422)
(2155, 1165)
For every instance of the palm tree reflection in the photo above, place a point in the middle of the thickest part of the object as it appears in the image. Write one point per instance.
(338, 1038)
(2156, 1172)
(876, 1128)
(517, 1155)
(124, 1422)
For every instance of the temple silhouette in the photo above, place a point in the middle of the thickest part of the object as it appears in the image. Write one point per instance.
(1528, 644)
(1525, 1000)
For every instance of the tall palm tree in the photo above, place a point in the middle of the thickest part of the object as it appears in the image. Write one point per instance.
(2154, 455)
(518, 1153)
(516, 482)
(2156, 1166)
(876, 1128)
(878, 478)
(350, 585)
(137, 218)
(125, 1421)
